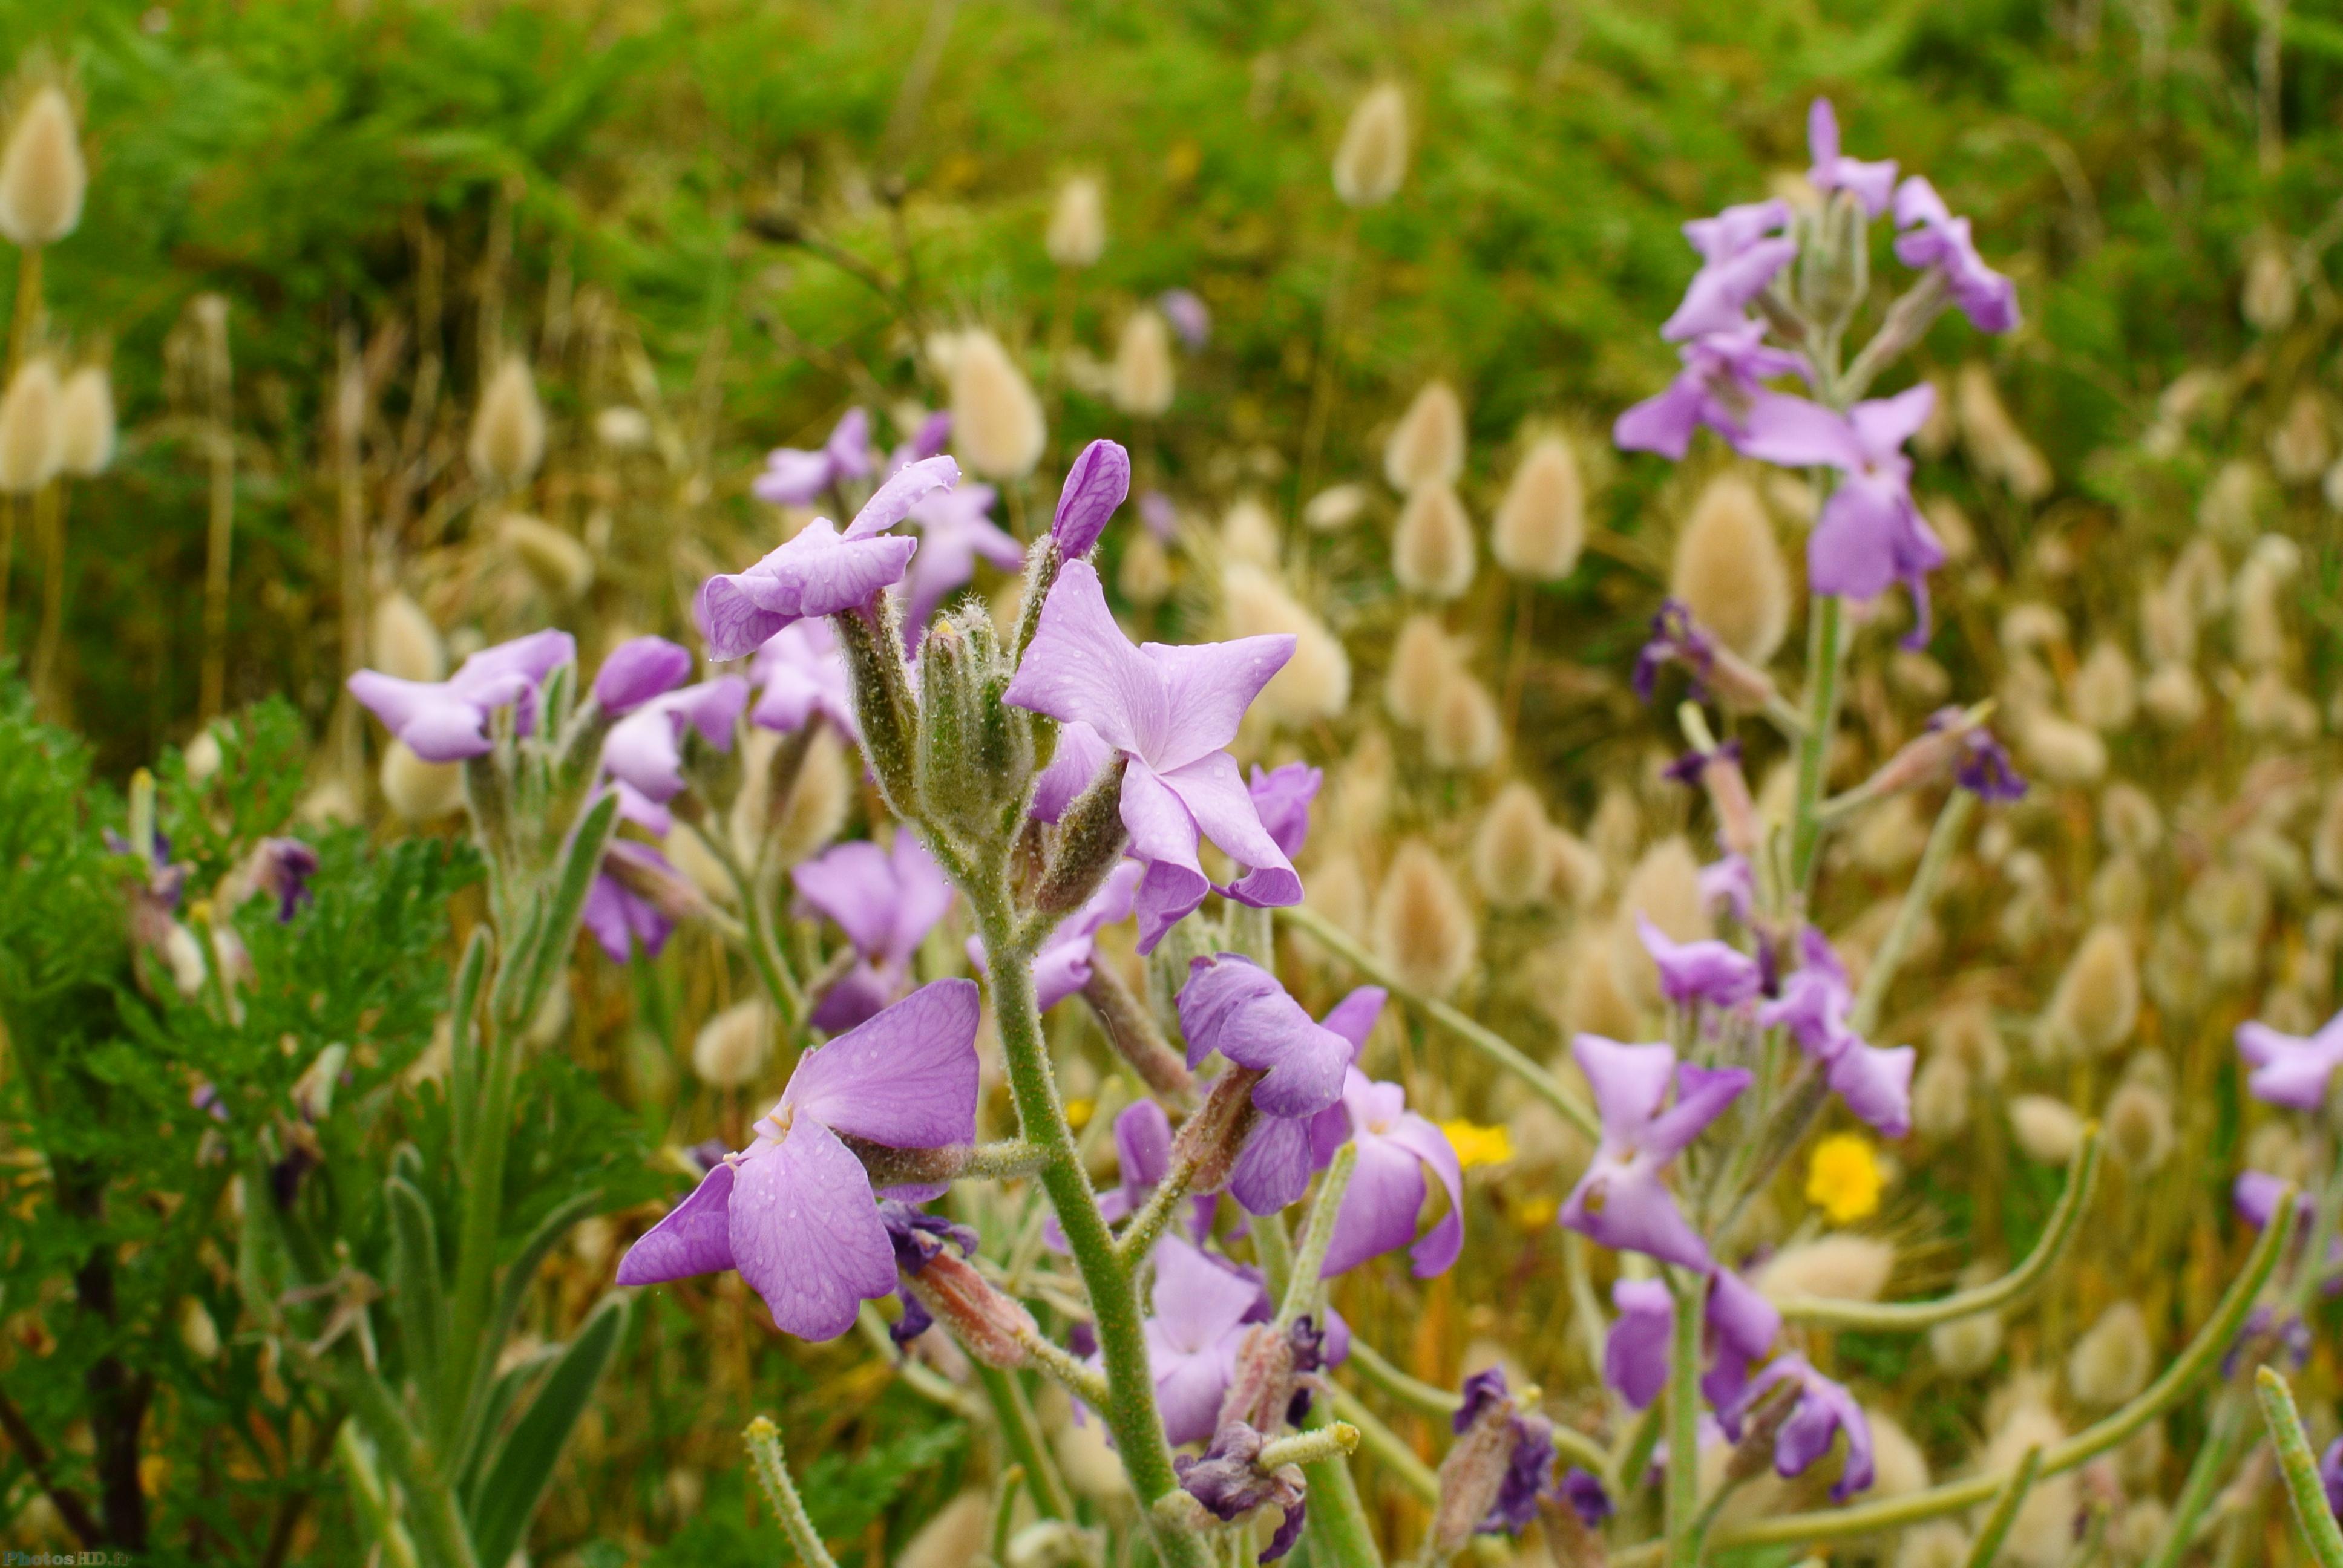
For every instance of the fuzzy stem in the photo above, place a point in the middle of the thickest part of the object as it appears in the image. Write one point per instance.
(1301, 1281)
(1824, 648)
(1139, 1236)
(1995, 1529)
(2299, 1466)
(1943, 838)
(9, 506)
(1021, 1430)
(773, 1471)
(1082, 1381)
(788, 997)
(2214, 1456)
(1683, 1495)
(1329, 1442)
(1338, 1535)
(1370, 1363)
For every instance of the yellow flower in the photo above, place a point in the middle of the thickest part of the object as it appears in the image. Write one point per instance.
(1078, 1113)
(1843, 1178)
(1478, 1145)
(1537, 1213)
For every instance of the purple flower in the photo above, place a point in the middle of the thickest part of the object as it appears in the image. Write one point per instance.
(1736, 228)
(1709, 971)
(1738, 1326)
(1586, 1497)
(1275, 1168)
(1074, 768)
(933, 435)
(1876, 1083)
(1095, 485)
(1934, 237)
(447, 720)
(1675, 637)
(638, 669)
(1189, 316)
(1985, 769)
(1870, 534)
(2330, 1476)
(1142, 1148)
(616, 914)
(1868, 183)
(1235, 1007)
(1718, 296)
(1398, 1149)
(1199, 1315)
(2291, 1071)
(1161, 517)
(792, 478)
(1230, 1483)
(820, 571)
(1823, 1410)
(1622, 1201)
(1062, 965)
(953, 532)
(886, 903)
(644, 749)
(805, 1231)
(1727, 883)
(798, 673)
(1171, 711)
(1281, 798)
(283, 867)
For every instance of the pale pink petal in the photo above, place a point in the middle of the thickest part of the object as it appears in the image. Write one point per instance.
(1629, 1081)
(694, 1239)
(1353, 1018)
(891, 502)
(1076, 761)
(1438, 1246)
(853, 884)
(1215, 795)
(1379, 1209)
(805, 1232)
(1082, 668)
(1207, 688)
(906, 1078)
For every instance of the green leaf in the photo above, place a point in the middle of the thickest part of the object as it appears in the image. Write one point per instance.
(524, 1462)
(550, 945)
(415, 1281)
(519, 1277)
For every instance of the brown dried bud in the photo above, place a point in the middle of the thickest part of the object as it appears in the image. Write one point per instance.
(1209, 1142)
(992, 1327)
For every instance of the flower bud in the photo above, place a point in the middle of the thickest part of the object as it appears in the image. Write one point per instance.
(991, 1327)
(883, 705)
(2096, 1005)
(1540, 525)
(1427, 445)
(1373, 159)
(42, 175)
(1424, 928)
(2139, 1128)
(1143, 380)
(1432, 548)
(508, 430)
(31, 445)
(1144, 575)
(997, 425)
(2111, 1363)
(1465, 733)
(1095, 485)
(1089, 841)
(420, 791)
(2048, 1129)
(731, 1048)
(1209, 1142)
(1077, 235)
(1994, 442)
(1422, 662)
(1510, 849)
(86, 423)
(562, 567)
(1315, 683)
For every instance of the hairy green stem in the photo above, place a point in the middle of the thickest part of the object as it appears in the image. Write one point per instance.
(1338, 1534)
(764, 951)
(1683, 1494)
(1996, 1528)
(1824, 648)
(1370, 1363)
(2299, 1467)
(772, 1469)
(1388, 1447)
(1333, 1440)
(1301, 1281)
(1943, 839)
(1021, 1430)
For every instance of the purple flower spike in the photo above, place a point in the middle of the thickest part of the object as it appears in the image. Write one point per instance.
(1398, 1150)
(1062, 965)
(953, 532)
(1282, 796)
(1736, 228)
(1871, 535)
(1142, 1146)
(2291, 1071)
(1876, 1083)
(1868, 183)
(798, 673)
(1824, 1409)
(644, 749)
(1171, 711)
(447, 721)
(1722, 370)
(793, 477)
(933, 436)
(1739, 1325)
(821, 571)
(1189, 316)
(1275, 1168)
(1622, 1201)
(1635, 1352)
(1201, 1310)
(1709, 971)
(886, 903)
(1235, 1007)
(638, 669)
(1095, 485)
(794, 1211)
(1934, 237)
(617, 916)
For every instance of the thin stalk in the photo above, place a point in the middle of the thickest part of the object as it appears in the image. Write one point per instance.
(1387, 1446)
(1338, 1534)
(1335, 1440)
(2214, 1457)
(373, 1500)
(1995, 1529)
(923, 1381)
(49, 533)
(772, 1469)
(1370, 1364)
(1490, 1043)
(780, 985)
(1943, 839)
(1273, 1249)
(1683, 1494)
(1140, 1234)
(220, 534)
(1824, 648)
(27, 319)
(1517, 658)
(2299, 1467)
(1020, 1429)
(1301, 1281)
(1081, 1380)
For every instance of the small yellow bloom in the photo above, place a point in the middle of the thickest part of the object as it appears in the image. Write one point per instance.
(1078, 1113)
(1537, 1213)
(1843, 1178)
(1478, 1145)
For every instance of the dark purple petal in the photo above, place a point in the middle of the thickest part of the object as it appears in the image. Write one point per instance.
(1095, 485)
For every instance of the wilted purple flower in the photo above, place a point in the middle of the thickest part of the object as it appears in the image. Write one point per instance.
(1621, 1200)
(798, 673)
(886, 903)
(1934, 237)
(1727, 883)
(1398, 1149)
(282, 867)
(1229, 1484)
(1189, 316)
(1871, 535)
(1722, 372)
(805, 1231)
(617, 914)
(644, 749)
(1161, 517)
(1985, 769)
(953, 532)
(1275, 1168)
(1095, 485)
(1814, 1006)
(1868, 183)
(1199, 1315)
(1171, 711)
(1823, 1410)
(793, 476)
(1234, 1006)
(1282, 796)
(1586, 1497)
(638, 669)
(1708, 971)
(2291, 1071)
(1675, 637)
(918, 1237)
(1738, 1325)
(1527, 1454)
(820, 571)
(447, 721)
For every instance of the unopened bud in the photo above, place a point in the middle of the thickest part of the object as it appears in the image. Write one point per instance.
(1090, 840)
(991, 1327)
(1095, 485)
(1835, 262)
(883, 708)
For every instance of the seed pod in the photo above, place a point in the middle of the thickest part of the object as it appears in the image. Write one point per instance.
(1315, 683)
(32, 448)
(1840, 1266)
(1995, 444)
(1077, 235)
(997, 424)
(1090, 840)
(1512, 849)
(1372, 162)
(1427, 445)
(1143, 377)
(1465, 733)
(2061, 751)
(2096, 1005)
(731, 1048)
(2048, 1129)
(404, 643)
(2107, 692)
(1424, 928)
(2300, 449)
(1541, 526)
(420, 791)
(562, 567)
(1728, 569)
(1422, 660)
(86, 423)
(508, 430)
(2111, 1363)
(1432, 548)
(41, 176)
(2139, 1128)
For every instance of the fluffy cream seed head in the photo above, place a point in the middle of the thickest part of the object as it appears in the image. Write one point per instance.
(2061, 751)
(404, 642)
(2269, 296)
(1422, 658)
(2111, 1363)
(2299, 448)
(197, 1332)
(1427, 445)
(2048, 1129)
(2107, 691)
(1665, 887)
(1937, 1544)
(1967, 1346)
(1995, 443)
(1432, 548)
(1841, 1266)
(41, 176)
(1249, 532)
(816, 813)
(732, 1047)
(1077, 236)
(1940, 1098)
(997, 424)
(2139, 1128)
(1144, 379)
(1315, 683)
(2096, 1005)
(420, 791)
(1540, 528)
(1143, 576)
(1372, 162)
(562, 567)
(86, 423)
(2173, 696)
(32, 448)
(1728, 569)
(1423, 926)
(508, 429)
(1512, 849)
(1466, 733)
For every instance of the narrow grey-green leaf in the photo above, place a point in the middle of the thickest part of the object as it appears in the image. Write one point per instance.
(417, 1293)
(523, 1465)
